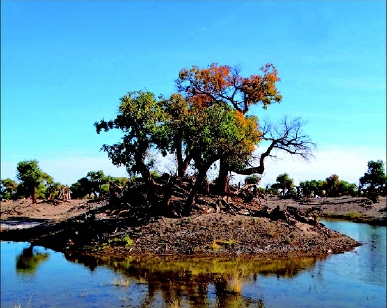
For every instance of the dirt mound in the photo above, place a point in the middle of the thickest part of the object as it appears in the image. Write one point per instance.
(130, 223)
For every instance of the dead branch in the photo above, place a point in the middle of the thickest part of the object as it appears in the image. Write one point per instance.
(286, 136)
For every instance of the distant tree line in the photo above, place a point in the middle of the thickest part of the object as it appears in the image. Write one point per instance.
(34, 182)
(372, 184)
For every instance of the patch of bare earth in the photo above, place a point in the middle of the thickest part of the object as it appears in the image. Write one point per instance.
(220, 234)
(268, 227)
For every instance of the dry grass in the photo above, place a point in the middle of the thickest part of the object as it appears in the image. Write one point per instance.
(120, 282)
(234, 285)
(214, 246)
(174, 304)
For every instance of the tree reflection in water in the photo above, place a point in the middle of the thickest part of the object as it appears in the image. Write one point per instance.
(198, 282)
(28, 260)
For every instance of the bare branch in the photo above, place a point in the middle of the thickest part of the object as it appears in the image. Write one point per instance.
(287, 136)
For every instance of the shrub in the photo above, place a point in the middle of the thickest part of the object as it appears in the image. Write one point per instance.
(252, 179)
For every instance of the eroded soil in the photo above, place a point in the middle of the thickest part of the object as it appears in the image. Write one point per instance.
(262, 227)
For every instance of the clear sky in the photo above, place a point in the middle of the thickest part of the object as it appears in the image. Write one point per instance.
(64, 65)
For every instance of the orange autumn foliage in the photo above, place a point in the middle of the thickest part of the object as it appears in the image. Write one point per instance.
(223, 83)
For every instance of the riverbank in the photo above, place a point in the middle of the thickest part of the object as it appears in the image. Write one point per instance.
(261, 228)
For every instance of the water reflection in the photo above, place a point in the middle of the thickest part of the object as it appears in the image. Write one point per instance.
(28, 260)
(367, 262)
(198, 282)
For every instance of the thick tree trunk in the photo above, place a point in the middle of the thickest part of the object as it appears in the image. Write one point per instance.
(261, 168)
(182, 163)
(223, 179)
(182, 168)
(34, 195)
(191, 197)
(199, 180)
(139, 158)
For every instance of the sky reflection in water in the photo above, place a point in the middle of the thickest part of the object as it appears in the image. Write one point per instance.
(43, 278)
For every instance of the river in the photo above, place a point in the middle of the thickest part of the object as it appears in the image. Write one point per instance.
(39, 277)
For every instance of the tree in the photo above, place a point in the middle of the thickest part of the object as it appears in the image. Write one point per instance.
(223, 83)
(331, 185)
(312, 187)
(96, 179)
(284, 183)
(177, 109)
(78, 190)
(8, 189)
(346, 188)
(47, 183)
(52, 190)
(252, 179)
(31, 176)
(215, 133)
(287, 136)
(90, 184)
(374, 180)
(141, 118)
(206, 122)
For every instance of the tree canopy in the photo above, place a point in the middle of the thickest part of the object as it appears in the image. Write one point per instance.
(8, 189)
(142, 119)
(285, 183)
(31, 176)
(374, 180)
(223, 83)
(205, 122)
(33, 183)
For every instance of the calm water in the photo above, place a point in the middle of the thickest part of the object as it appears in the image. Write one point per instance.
(40, 277)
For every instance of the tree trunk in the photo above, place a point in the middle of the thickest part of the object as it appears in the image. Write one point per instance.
(222, 181)
(199, 180)
(34, 196)
(261, 168)
(139, 159)
(182, 169)
(182, 163)
(179, 157)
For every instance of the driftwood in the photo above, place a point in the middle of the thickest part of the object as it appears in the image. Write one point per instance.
(249, 192)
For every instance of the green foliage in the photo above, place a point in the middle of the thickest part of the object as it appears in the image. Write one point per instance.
(273, 189)
(142, 119)
(219, 132)
(95, 180)
(346, 188)
(154, 174)
(52, 190)
(95, 184)
(78, 189)
(331, 185)
(126, 241)
(252, 179)
(28, 261)
(284, 183)
(8, 189)
(312, 187)
(29, 173)
(374, 180)
(34, 181)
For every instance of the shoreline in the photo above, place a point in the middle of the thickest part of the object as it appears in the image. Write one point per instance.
(87, 228)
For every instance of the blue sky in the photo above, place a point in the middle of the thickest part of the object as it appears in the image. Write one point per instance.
(64, 65)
